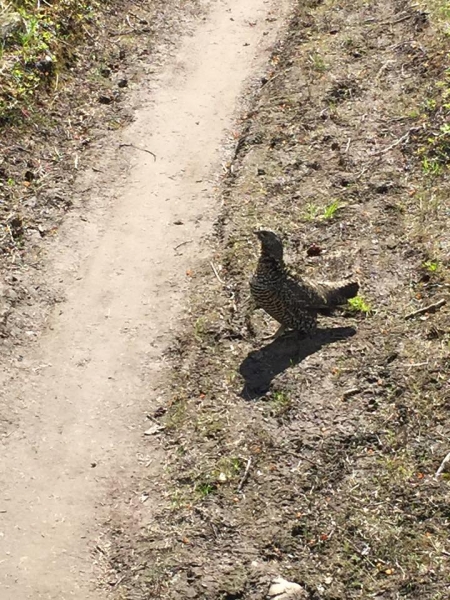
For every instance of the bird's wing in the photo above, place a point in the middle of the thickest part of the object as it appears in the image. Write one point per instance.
(301, 295)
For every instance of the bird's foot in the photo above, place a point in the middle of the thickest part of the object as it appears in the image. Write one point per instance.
(278, 333)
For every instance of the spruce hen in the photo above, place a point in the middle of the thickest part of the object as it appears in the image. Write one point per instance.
(293, 302)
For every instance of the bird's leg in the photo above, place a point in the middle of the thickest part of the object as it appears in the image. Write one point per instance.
(278, 333)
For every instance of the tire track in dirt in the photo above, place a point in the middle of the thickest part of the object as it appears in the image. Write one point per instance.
(82, 393)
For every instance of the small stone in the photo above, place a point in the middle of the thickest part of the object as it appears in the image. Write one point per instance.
(314, 250)
(105, 99)
(154, 429)
(281, 589)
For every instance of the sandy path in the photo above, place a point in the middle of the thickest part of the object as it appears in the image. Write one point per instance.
(81, 394)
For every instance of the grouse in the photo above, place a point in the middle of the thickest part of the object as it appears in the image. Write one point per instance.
(293, 302)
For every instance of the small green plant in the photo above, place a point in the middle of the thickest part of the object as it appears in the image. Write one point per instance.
(280, 403)
(429, 105)
(359, 304)
(432, 266)
(200, 328)
(330, 210)
(205, 488)
(311, 211)
(431, 166)
(317, 61)
(228, 469)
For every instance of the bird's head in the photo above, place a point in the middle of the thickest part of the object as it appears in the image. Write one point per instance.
(271, 244)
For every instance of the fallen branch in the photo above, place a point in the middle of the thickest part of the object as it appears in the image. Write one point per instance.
(138, 148)
(245, 475)
(442, 467)
(430, 308)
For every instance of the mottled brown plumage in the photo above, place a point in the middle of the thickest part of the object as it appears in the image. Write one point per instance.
(293, 302)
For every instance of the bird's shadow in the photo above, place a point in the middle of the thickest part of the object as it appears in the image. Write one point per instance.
(261, 366)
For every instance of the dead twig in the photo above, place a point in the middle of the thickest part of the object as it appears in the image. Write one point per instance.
(217, 274)
(131, 31)
(245, 475)
(430, 308)
(183, 244)
(383, 68)
(138, 148)
(400, 140)
(119, 581)
(442, 467)
(277, 75)
(351, 392)
(401, 19)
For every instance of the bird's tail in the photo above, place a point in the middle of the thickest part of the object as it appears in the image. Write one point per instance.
(336, 294)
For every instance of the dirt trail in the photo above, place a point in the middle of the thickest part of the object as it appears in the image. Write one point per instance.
(82, 392)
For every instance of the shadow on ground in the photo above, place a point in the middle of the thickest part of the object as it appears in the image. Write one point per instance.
(261, 366)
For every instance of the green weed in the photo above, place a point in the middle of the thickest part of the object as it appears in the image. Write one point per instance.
(311, 211)
(200, 328)
(359, 304)
(318, 62)
(205, 488)
(431, 166)
(330, 210)
(280, 403)
(432, 266)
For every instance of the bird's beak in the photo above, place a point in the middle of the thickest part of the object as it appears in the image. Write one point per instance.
(257, 233)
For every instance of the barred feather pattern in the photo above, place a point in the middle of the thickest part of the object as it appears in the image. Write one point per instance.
(293, 302)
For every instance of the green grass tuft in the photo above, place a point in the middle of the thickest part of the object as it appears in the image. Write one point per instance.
(359, 304)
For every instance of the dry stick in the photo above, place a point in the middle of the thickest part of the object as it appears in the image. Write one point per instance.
(383, 68)
(217, 274)
(130, 31)
(138, 148)
(405, 18)
(425, 309)
(404, 138)
(245, 475)
(442, 467)
(119, 581)
(183, 244)
(277, 75)
(351, 392)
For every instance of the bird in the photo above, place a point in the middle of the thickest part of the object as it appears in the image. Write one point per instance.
(291, 300)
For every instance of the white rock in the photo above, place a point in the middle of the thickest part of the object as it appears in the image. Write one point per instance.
(281, 589)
